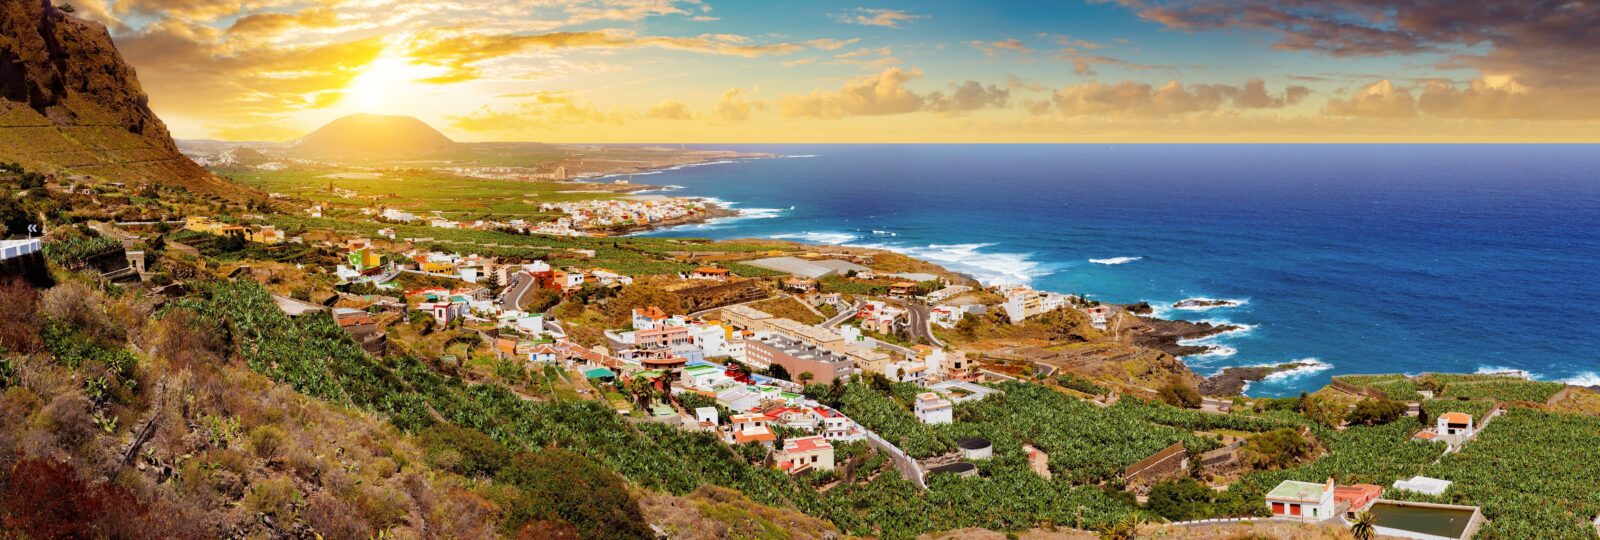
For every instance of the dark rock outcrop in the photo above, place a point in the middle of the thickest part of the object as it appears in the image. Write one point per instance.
(69, 105)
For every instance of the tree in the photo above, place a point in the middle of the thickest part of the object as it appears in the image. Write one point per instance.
(806, 377)
(1178, 394)
(1275, 449)
(1322, 410)
(1372, 412)
(777, 371)
(1365, 526)
(1181, 499)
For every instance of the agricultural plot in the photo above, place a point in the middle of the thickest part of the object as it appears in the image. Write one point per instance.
(421, 191)
(1395, 385)
(1533, 473)
(314, 356)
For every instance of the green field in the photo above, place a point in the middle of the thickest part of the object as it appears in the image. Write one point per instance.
(421, 191)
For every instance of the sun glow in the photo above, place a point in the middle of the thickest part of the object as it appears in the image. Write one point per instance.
(382, 84)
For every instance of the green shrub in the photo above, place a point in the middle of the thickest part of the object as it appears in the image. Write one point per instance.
(267, 441)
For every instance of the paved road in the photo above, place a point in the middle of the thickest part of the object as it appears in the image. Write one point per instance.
(844, 314)
(521, 283)
(921, 322)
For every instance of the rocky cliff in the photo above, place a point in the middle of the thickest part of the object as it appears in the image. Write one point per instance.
(70, 106)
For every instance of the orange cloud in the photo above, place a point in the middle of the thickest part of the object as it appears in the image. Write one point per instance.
(1132, 99)
(462, 53)
(732, 107)
(888, 18)
(885, 94)
(992, 47)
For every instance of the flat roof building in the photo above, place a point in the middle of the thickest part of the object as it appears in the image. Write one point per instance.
(798, 357)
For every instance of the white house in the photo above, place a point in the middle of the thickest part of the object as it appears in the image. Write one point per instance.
(707, 377)
(1302, 501)
(801, 454)
(836, 426)
(706, 416)
(1455, 423)
(910, 371)
(738, 398)
(932, 409)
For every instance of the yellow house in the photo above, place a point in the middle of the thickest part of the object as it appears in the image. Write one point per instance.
(267, 234)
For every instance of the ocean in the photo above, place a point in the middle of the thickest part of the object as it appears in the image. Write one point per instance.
(1358, 258)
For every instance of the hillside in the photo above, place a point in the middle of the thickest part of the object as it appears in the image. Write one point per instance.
(367, 135)
(70, 106)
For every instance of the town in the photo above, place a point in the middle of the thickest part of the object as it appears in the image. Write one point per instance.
(843, 370)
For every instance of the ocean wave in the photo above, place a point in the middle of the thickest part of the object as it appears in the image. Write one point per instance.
(990, 268)
(817, 237)
(662, 189)
(1498, 370)
(876, 232)
(1212, 351)
(1239, 329)
(1312, 365)
(1587, 378)
(1116, 260)
(1218, 303)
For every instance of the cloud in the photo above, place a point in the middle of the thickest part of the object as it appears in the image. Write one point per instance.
(1545, 43)
(554, 109)
(732, 107)
(192, 71)
(1075, 43)
(1133, 99)
(462, 54)
(273, 23)
(1381, 99)
(871, 56)
(1254, 96)
(968, 96)
(992, 47)
(888, 18)
(670, 109)
(624, 10)
(1487, 98)
(885, 93)
(826, 44)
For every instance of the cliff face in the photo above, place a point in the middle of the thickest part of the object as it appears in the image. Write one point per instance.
(69, 105)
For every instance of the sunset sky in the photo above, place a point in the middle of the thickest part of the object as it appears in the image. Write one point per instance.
(886, 71)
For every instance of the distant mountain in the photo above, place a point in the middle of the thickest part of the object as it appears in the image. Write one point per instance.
(368, 135)
(70, 106)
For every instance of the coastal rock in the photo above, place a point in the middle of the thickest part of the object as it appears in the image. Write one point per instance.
(1232, 381)
(1141, 308)
(1205, 303)
(1166, 335)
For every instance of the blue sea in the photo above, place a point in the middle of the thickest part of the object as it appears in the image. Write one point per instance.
(1364, 258)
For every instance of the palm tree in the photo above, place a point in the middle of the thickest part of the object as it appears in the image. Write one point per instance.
(1365, 526)
(806, 377)
(1126, 528)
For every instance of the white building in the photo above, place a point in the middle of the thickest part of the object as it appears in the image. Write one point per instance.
(932, 409)
(1423, 485)
(1302, 501)
(1023, 303)
(801, 454)
(1456, 424)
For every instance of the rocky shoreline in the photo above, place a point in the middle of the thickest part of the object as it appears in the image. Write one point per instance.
(1232, 381)
(1168, 336)
(712, 211)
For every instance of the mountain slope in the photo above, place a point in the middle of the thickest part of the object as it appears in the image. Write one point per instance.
(371, 134)
(69, 105)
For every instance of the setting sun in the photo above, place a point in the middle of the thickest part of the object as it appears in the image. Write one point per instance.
(382, 85)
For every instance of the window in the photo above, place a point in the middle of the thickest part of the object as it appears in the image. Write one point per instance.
(1294, 509)
(1277, 508)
